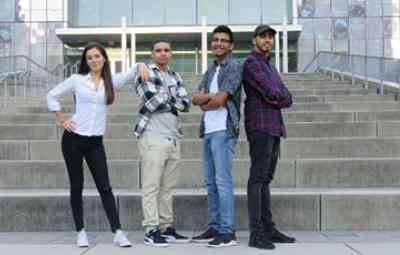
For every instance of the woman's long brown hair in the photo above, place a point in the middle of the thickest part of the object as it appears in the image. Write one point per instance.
(105, 72)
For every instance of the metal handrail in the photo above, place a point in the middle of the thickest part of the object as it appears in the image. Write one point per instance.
(385, 71)
(29, 60)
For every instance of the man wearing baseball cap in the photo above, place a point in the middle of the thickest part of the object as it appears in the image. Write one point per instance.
(266, 95)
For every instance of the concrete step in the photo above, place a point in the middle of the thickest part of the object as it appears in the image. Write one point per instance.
(293, 210)
(294, 148)
(325, 106)
(300, 116)
(300, 209)
(345, 106)
(125, 131)
(126, 174)
(298, 99)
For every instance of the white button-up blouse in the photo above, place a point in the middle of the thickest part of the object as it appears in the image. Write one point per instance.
(91, 109)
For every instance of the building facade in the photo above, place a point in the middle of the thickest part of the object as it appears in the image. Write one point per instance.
(50, 32)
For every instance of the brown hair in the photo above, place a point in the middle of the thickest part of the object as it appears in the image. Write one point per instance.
(105, 72)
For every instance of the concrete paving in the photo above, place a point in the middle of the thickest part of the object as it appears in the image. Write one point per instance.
(308, 242)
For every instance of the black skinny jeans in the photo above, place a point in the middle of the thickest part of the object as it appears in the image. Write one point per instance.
(74, 148)
(264, 153)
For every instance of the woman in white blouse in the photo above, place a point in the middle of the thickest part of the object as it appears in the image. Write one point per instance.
(94, 88)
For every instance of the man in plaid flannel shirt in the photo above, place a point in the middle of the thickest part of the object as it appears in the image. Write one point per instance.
(266, 95)
(158, 129)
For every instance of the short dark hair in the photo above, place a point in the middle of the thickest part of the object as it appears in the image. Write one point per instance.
(158, 41)
(224, 29)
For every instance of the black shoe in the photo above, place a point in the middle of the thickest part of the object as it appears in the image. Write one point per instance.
(223, 240)
(205, 237)
(279, 237)
(172, 236)
(260, 242)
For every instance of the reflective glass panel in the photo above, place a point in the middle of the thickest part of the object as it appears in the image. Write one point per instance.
(216, 11)
(340, 45)
(374, 27)
(323, 29)
(273, 11)
(392, 48)
(38, 15)
(38, 32)
(51, 31)
(38, 4)
(340, 28)
(322, 8)
(357, 28)
(374, 47)
(54, 54)
(6, 10)
(339, 8)
(305, 8)
(88, 13)
(391, 7)
(323, 45)
(38, 53)
(148, 12)
(55, 4)
(22, 38)
(120, 8)
(356, 8)
(374, 8)
(54, 15)
(6, 32)
(249, 13)
(391, 27)
(357, 46)
(180, 12)
(308, 29)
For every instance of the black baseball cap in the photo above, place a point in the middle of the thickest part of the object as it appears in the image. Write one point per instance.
(263, 28)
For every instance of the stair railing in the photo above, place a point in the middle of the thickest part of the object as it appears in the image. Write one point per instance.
(381, 71)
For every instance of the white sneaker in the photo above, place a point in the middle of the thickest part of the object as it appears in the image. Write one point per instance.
(121, 240)
(81, 240)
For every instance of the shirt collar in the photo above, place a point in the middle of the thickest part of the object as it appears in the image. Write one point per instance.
(87, 77)
(154, 67)
(260, 55)
(224, 61)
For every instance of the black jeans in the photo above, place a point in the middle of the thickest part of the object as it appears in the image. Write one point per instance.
(74, 148)
(264, 153)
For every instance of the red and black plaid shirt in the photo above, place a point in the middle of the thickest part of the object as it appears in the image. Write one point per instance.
(261, 81)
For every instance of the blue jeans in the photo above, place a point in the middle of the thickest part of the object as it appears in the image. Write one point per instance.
(218, 151)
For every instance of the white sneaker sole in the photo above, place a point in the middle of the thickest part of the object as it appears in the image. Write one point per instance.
(202, 240)
(123, 245)
(171, 239)
(231, 243)
(151, 243)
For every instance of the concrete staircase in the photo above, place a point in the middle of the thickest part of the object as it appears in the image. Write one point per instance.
(339, 168)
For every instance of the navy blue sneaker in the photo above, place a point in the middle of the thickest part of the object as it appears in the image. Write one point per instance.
(154, 238)
(172, 237)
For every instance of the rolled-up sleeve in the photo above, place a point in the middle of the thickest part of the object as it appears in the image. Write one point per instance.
(52, 96)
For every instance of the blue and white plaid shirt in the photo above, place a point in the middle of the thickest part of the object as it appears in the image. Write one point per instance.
(177, 100)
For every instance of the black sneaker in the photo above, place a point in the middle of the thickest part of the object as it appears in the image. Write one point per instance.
(172, 237)
(223, 240)
(260, 242)
(279, 237)
(205, 237)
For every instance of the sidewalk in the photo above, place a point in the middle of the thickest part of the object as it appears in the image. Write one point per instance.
(309, 243)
